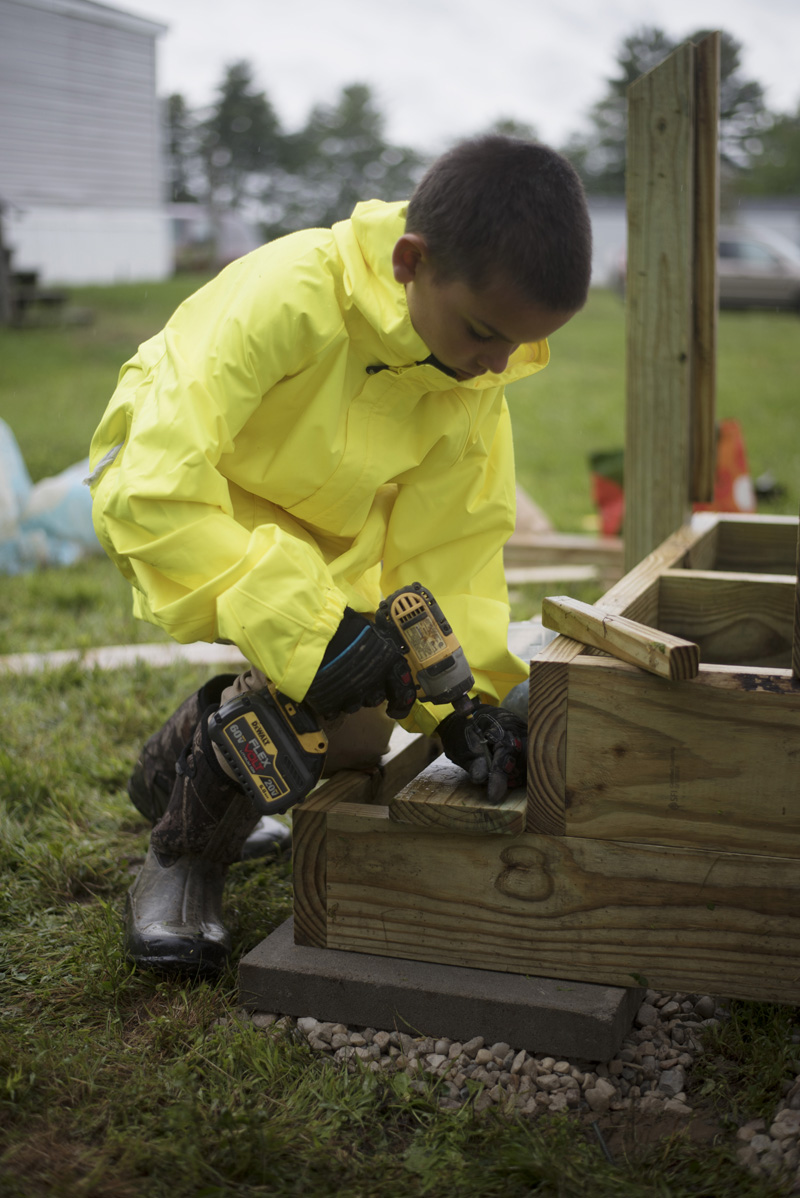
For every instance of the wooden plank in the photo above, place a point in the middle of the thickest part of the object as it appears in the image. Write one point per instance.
(547, 740)
(443, 796)
(648, 648)
(736, 619)
(703, 554)
(545, 549)
(702, 404)
(710, 763)
(660, 206)
(636, 596)
(407, 754)
(796, 634)
(522, 575)
(566, 907)
(757, 544)
(309, 852)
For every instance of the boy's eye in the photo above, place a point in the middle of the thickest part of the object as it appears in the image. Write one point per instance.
(476, 336)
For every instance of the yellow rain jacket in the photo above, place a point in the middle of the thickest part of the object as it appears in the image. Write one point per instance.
(282, 450)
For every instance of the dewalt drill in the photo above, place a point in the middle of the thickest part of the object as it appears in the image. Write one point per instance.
(275, 745)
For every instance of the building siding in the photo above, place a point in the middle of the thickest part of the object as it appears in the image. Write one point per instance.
(78, 113)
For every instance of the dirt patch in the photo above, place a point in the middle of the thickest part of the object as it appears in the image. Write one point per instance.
(46, 1163)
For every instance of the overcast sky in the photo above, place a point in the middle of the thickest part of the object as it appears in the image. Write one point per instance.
(441, 69)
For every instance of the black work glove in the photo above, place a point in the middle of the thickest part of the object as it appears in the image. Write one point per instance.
(505, 736)
(361, 669)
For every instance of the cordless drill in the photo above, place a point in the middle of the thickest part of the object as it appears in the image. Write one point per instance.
(275, 745)
(414, 624)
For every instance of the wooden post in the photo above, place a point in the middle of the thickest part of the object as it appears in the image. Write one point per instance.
(673, 206)
(660, 205)
(702, 436)
(796, 636)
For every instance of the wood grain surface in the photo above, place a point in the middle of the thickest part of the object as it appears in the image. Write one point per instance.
(736, 619)
(660, 193)
(710, 763)
(638, 644)
(565, 907)
(443, 796)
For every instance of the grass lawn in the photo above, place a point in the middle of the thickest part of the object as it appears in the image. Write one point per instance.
(114, 1084)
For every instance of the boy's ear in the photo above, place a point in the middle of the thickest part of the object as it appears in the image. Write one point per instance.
(409, 252)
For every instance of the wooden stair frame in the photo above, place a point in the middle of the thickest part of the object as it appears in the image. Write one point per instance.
(658, 841)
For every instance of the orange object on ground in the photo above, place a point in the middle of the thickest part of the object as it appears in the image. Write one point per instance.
(733, 487)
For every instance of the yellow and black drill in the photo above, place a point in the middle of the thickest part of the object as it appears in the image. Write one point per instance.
(275, 745)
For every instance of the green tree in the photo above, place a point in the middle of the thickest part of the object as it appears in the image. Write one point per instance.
(600, 154)
(182, 149)
(509, 126)
(241, 139)
(341, 156)
(775, 168)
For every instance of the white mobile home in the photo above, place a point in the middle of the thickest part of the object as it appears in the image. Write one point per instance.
(81, 169)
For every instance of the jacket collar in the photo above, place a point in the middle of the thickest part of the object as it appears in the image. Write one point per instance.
(372, 293)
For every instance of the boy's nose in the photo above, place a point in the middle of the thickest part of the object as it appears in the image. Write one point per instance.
(496, 360)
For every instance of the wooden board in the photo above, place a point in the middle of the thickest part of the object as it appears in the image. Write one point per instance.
(710, 763)
(736, 619)
(408, 754)
(757, 544)
(702, 431)
(443, 796)
(635, 596)
(660, 333)
(547, 549)
(796, 632)
(638, 644)
(565, 907)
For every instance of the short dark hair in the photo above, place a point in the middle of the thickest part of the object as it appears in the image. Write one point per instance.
(502, 206)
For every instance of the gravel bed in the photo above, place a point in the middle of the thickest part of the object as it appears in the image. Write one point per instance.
(648, 1076)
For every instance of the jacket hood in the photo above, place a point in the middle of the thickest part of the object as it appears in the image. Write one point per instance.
(365, 243)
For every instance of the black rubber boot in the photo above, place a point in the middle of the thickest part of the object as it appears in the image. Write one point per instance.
(150, 785)
(173, 919)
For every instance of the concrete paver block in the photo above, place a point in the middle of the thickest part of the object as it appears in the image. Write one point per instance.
(566, 1019)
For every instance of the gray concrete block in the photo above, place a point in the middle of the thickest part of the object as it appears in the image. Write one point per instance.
(566, 1019)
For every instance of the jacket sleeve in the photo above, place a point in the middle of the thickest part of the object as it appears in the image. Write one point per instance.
(164, 509)
(447, 531)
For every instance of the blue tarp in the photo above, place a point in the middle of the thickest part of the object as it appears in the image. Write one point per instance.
(48, 523)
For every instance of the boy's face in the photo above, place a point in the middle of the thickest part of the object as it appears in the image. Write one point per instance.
(470, 331)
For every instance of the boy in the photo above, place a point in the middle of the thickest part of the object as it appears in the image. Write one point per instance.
(322, 423)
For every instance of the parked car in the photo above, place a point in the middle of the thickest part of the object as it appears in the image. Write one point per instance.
(755, 269)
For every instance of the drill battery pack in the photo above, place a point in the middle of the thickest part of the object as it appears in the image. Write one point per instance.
(274, 745)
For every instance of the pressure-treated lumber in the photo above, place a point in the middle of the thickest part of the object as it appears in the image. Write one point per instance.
(708, 764)
(702, 401)
(564, 907)
(796, 635)
(739, 620)
(757, 544)
(660, 329)
(635, 596)
(406, 757)
(652, 650)
(736, 619)
(544, 549)
(443, 796)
